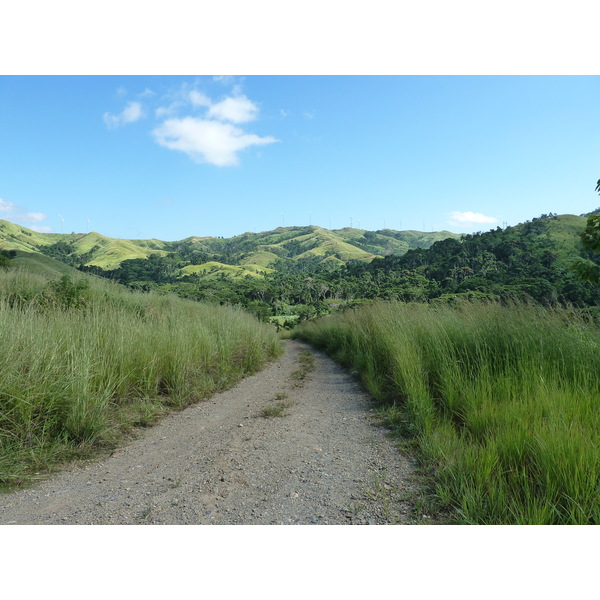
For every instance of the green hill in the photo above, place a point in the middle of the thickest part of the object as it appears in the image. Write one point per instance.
(304, 271)
(16, 237)
(216, 269)
(252, 253)
(533, 260)
(298, 243)
(39, 264)
(75, 249)
(109, 253)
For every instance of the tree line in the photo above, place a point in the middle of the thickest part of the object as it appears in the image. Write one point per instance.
(528, 261)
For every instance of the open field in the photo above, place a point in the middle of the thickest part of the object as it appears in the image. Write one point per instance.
(501, 402)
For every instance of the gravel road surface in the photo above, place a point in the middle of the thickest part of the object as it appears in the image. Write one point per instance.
(233, 460)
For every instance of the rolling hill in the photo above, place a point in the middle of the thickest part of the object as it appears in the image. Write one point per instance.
(246, 254)
(301, 272)
(33, 262)
(89, 249)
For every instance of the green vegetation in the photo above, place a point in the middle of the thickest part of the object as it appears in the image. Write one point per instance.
(275, 410)
(294, 274)
(485, 353)
(289, 273)
(4, 260)
(77, 249)
(307, 364)
(531, 261)
(500, 401)
(586, 268)
(83, 360)
(257, 249)
(40, 264)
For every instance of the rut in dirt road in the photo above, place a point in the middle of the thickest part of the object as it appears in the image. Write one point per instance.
(289, 445)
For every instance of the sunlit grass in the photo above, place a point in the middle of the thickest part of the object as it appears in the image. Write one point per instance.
(77, 378)
(501, 401)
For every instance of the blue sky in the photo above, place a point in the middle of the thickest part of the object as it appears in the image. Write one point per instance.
(168, 157)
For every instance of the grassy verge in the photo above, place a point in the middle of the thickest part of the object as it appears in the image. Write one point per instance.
(501, 402)
(82, 362)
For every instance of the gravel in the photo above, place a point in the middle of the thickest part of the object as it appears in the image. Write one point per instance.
(322, 461)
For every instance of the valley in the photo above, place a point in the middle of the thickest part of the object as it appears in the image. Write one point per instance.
(478, 352)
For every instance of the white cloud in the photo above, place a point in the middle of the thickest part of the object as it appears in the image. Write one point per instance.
(237, 109)
(165, 111)
(199, 99)
(41, 228)
(15, 213)
(207, 141)
(32, 217)
(131, 113)
(190, 121)
(224, 79)
(180, 99)
(468, 218)
(5, 206)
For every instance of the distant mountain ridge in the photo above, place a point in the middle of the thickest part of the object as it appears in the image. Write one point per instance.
(293, 273)
(248, 253)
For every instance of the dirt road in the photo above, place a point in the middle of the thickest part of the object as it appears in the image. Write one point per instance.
(279, 448)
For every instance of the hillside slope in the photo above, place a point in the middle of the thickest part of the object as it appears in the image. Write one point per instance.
(253, 251)
(36, 263)
(532, 259)
(89, 249)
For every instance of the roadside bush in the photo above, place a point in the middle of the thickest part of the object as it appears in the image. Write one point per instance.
(67, 293)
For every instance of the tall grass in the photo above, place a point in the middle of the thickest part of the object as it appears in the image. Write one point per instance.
(502, 402)
(76, 373)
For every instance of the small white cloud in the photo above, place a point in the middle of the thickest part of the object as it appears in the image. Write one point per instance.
(179, 99)
(131, 113)
(6, 207)
(41, 228)
(206, 141)
(199, 99)
(121, 91)
(307, 114)
(237, 109)
(16, 213)
(224, 79)
(468, 218)
(32, 217)
(147, 93)
(166, 111)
